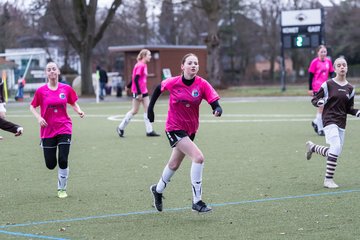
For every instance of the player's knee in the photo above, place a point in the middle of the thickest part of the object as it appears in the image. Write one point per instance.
(134, 112)
(199, 158)
(63, 164)
(174, 165)
(50, 164)
(336, 149)
(63, 160)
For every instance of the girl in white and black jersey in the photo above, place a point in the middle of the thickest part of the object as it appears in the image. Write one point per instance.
(337, 97)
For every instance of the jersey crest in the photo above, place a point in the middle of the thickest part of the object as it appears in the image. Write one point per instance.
(195, 93)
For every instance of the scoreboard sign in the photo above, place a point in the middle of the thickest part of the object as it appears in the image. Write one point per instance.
(301, 28)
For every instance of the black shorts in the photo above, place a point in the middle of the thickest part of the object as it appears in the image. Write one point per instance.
(55, 141)
(143, 95)
(175, 136)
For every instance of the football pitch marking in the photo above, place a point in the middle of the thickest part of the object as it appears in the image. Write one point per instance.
(19, 234)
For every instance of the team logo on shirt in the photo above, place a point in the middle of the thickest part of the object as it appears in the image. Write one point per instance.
(62, 95)
(195, 93)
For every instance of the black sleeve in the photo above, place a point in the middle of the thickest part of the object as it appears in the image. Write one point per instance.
(129, 85)
(216, 107)
(311, 76)
(136, 80)
(2, 93)
(8, 126)
(156, 94)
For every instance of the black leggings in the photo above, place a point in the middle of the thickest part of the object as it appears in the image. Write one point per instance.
(50, 146)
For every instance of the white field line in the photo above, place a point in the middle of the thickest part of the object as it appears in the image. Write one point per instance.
(205, 118)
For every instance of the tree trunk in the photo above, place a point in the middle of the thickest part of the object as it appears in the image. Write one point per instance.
(212, 41)
(86, 71)
(213, 62)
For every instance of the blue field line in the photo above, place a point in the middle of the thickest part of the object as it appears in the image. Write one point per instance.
(19, 234)
(179, 209)
(284, 198)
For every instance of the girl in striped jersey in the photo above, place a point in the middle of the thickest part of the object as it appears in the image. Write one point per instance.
(337, 97)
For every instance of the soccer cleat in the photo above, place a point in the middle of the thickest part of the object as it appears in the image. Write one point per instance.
(314, 125)
(329, 183)
(152, 134)
(201, 207)
(62, 193)
(120, 132)
(309, 145)
(157, 198)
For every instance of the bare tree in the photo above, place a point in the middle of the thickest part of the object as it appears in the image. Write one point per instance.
(212, 40)
(344, 30)
(268, 15)
(168, 23)
(13, 25)
(82, 33)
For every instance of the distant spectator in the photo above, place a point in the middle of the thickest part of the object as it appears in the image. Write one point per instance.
(20, 93)
(62, 79)
(103, 79)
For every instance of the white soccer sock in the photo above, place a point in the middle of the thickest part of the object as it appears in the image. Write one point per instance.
(63, 175)
(165, 179)
(126, 120)
(319, 121)
(196, 180)
(148, 124)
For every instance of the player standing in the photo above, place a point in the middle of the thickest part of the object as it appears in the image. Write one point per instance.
(319, 71)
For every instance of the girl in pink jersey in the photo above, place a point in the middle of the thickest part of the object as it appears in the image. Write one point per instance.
(55, 123)
(140, 94)
(186, 93)
(319, 71)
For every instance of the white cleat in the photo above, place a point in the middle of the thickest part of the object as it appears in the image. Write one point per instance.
(329, 183)
(309, 146)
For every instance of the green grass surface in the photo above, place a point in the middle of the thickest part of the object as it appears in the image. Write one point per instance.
(256, 178)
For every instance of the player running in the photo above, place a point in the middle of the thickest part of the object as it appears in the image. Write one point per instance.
(186, 93)
(55, 123)
(337, 97)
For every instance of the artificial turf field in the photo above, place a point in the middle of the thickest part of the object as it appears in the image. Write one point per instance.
(256, 177)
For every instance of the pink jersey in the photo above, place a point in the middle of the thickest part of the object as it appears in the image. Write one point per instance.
(53, 105)
(140, 69)
(321, 70)
(184, 102)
